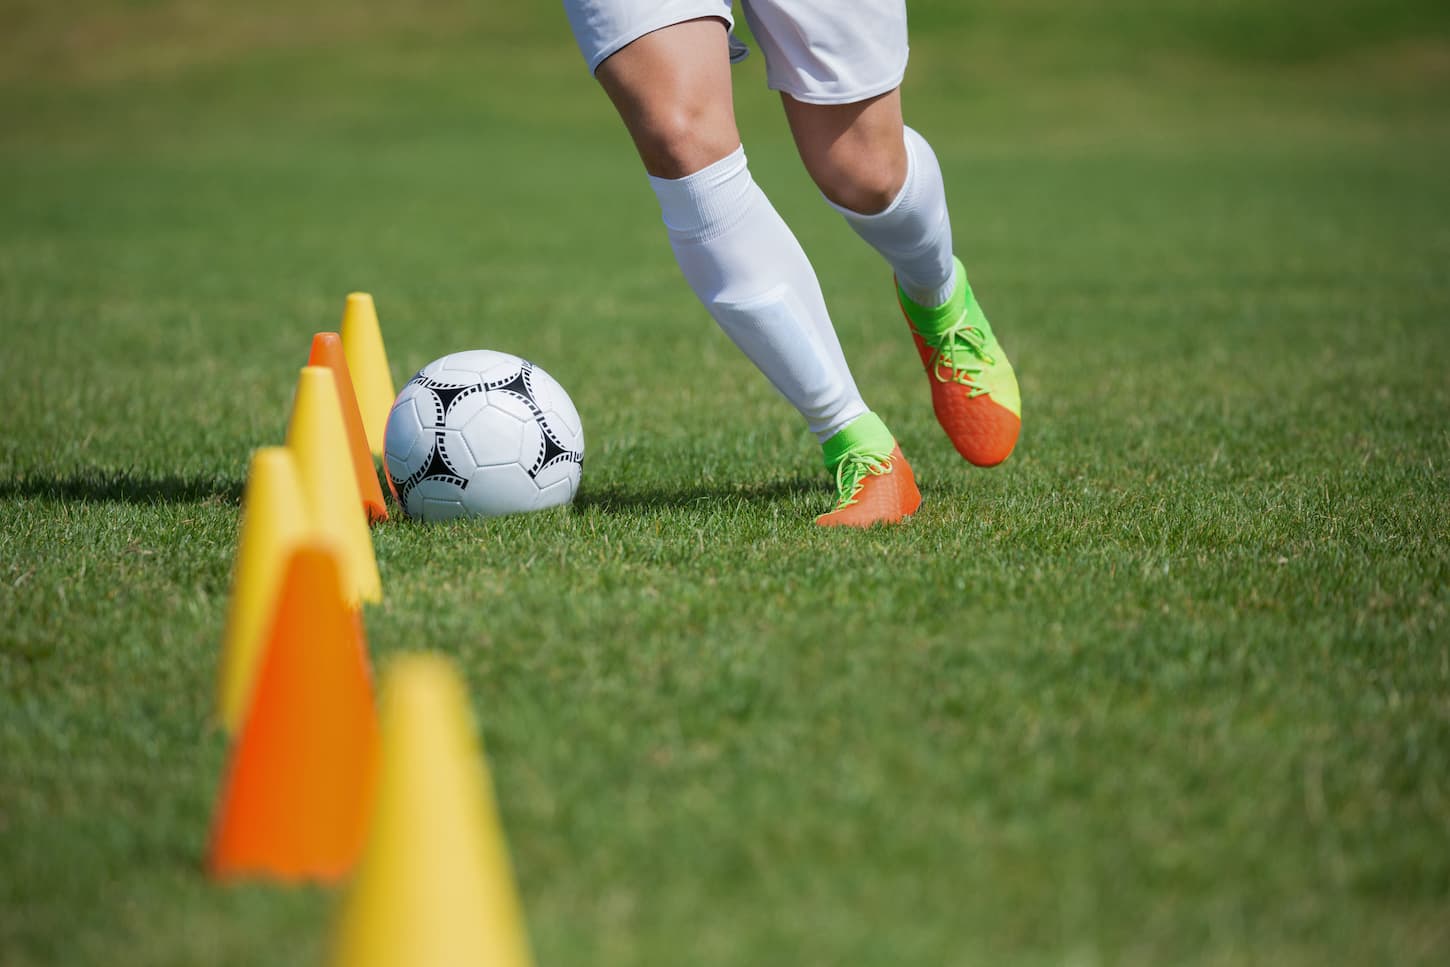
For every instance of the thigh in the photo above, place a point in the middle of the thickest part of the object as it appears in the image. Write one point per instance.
(672, 89)
(830, 52)
(602, 27)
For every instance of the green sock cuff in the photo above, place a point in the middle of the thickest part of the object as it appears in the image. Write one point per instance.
(865, 434)
(930, 320)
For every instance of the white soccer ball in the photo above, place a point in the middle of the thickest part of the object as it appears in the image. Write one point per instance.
(482, 433)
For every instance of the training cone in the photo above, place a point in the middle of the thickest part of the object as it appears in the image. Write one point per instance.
(362, 340)
(317, 437)
(435, 888)
(298, 793)
(274, 519)
(327, 351)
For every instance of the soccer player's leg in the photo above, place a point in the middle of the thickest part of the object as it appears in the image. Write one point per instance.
(839, 70)
(885, 180)
(672, 88)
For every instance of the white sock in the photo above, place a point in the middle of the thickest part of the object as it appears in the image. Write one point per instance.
(914, 233)
(746, 266)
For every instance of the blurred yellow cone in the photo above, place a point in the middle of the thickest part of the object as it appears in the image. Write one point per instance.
(435, 888)
(317, 437)
(367, 361)
(274, 519)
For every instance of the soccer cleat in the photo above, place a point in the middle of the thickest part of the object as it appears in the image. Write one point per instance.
(874, 483)
(871, 490)
(973, 389)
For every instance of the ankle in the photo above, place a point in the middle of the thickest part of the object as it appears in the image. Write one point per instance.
(930, 318)
(865, 434)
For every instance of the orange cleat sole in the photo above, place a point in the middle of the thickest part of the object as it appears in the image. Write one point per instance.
(887, 498)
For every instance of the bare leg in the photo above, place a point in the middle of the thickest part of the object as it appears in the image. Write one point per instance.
(885, 180)
(672, 90)
(855, 153)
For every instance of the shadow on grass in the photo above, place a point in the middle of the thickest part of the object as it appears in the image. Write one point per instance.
(620, 500)
(104, 485)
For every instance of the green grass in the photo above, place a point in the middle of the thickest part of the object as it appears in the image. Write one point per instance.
(1171, 686)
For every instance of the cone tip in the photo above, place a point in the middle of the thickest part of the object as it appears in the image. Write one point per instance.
(428, 666)
(359, 297)
(314, 544)
(315, 385)
(269, 457)
(271, 467)
(424, 678)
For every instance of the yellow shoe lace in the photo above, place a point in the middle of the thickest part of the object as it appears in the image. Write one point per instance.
(950, 345)
(852, 471)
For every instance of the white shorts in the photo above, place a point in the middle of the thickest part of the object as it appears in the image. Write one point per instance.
(817, 51)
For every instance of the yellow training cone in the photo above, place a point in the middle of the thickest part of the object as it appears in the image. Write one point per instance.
(317, 437)
(435, 888)
(274, 518)
(367, 361)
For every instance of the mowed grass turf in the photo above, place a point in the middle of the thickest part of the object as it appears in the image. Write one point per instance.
(1170, 686)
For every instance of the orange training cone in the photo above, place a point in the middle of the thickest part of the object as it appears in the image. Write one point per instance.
(362, 340)
(296, 799)
(317, 437)
(435, 887)
(327, 351)
(274, 518)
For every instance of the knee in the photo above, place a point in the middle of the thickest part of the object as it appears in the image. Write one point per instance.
(858, 178)
(679, 140)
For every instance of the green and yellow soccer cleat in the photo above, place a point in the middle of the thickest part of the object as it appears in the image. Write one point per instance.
(874, 483)
(973, 389)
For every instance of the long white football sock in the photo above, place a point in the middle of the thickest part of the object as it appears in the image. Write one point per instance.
(746, 266)
(914, 233)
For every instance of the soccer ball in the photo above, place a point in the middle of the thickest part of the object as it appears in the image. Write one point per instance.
(482, 433)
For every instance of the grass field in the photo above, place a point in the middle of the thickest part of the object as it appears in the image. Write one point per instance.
(1171, 686)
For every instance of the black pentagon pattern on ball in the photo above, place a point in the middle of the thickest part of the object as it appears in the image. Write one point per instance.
(554, 452)
(520, 385)
(446, 395)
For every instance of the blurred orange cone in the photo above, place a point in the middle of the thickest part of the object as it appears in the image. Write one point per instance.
(317, 437)
(435, 887)
(274, 518)
(362, 340)
(327, 351)
(299, 789)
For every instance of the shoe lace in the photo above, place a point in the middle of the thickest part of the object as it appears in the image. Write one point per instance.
(954, 347)
(852, 471)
